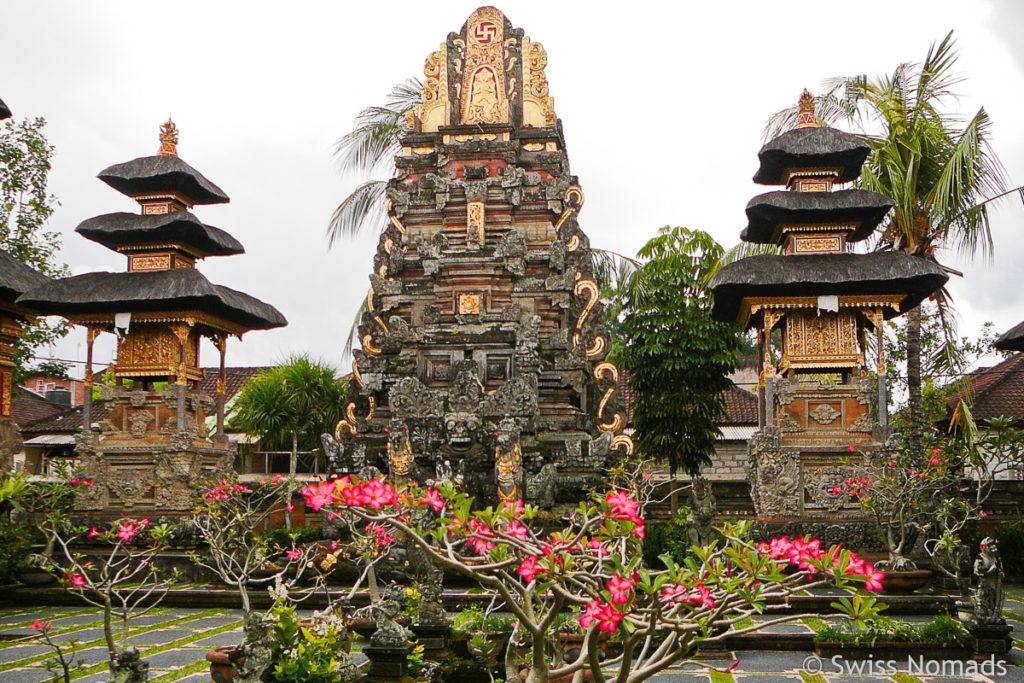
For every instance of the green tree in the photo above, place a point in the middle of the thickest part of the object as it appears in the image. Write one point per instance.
(941, 173)
(678, 358)
(25, 206)
(290, 406)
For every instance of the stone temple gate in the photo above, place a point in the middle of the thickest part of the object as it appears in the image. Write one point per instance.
(484, 340)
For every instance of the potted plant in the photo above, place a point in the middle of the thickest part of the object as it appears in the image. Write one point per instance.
(882, 639)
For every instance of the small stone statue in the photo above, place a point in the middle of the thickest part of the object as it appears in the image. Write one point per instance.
(988, 597)
(334, 453)
(126, 667)
(389, 632)
(703, 506)
(431, 612)
(257, 649)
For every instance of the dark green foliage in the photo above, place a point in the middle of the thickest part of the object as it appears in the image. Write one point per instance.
(25, 206)
(299, 400)
(677, 356)
(665, 537)
(1010, 535)
(943, 630)
(15, 540)
(287, 538)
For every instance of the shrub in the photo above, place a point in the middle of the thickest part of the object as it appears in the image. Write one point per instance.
(287, 538)
(665, 537)
(15, 540)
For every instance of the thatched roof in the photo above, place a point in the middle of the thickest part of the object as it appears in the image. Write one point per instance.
(115, 230)
(766, 211)
(884, 272)
(16, 278)
(5, 113)
(162, 173)
(1011, 340)
(813, 147)
(184, 289)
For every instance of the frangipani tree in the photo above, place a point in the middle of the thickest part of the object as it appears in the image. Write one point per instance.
(594, 564)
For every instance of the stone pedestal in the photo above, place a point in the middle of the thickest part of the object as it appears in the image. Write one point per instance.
(388, 662)
(432, 636)
(990, 639)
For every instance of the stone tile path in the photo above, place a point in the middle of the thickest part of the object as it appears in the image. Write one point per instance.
(174, 641)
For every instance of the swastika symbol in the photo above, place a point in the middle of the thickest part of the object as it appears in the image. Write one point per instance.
(485, 31)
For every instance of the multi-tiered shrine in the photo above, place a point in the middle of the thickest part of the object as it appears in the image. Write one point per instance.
(153, 451)
(814, 307)
(483, 341)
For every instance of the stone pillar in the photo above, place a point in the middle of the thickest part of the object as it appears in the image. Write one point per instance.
(221, 341)
(90, 336)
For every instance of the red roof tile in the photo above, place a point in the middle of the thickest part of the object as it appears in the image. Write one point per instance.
(28, 406)
(997, 391)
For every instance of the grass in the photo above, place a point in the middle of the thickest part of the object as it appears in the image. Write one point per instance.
(193, 668)
(900, 677)
(28, 661)
(720, 677)
(812, 678)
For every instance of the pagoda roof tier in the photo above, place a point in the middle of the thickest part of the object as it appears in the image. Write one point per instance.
(157, 291)
(16, 278)
(878, 273)
(5, 113)
(115, 230)
(162, 174)
(811, 148)
(768, 212)
(1012, 339)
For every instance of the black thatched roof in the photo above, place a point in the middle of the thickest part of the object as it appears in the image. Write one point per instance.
(161, 173)
(166, 290)
(814, 147)
(1011, 340)
(115, 230)
(5, 113)
(16, 278)
(884, 272)
(766, 211)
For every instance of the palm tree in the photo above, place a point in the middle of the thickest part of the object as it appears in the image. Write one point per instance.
(291, 405)
(941, 173)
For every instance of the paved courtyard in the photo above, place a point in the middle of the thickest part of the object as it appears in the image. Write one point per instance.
(174, 641)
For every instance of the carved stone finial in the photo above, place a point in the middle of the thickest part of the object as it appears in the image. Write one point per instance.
(168, 139)
(805, 117)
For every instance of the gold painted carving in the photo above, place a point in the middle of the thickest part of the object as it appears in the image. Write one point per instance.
(508, 466)
(475, 218)
(483, 85)
(376, 318)
(538, 105)
(606, 368)
(597, 348)
(401, 461)
(168, 139)
(574, 243)
(534, 146)
(141, 263)
(593, 294)
(817, 245)
(368, 345)
(394, 219)
(469, 304)
(357, 375)
(433, 112)
(623, 441)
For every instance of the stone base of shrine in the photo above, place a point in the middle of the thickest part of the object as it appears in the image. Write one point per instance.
(156, 479)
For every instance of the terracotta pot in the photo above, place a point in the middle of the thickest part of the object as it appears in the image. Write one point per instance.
(905, 582)
(222, 670)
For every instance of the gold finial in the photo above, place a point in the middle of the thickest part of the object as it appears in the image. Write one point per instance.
(168, 139)
(805, 117)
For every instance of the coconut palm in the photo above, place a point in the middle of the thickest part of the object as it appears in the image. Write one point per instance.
(940, 171)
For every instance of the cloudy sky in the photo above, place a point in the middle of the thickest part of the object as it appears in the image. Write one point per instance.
(663, 105)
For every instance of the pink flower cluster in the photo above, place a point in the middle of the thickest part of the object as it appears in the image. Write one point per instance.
(806, 553)
(76, 482)
(855, 486)
(41, 625)
(620, 589)
(224, 490)
(380, 533)
(623, 506)
(480, 540)
(679, 594)
(373, 493)
(607, 616)
(125, 530)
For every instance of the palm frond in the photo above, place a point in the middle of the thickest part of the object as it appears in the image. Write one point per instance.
(741, 251)
(352, 338)
(612, 269)
(374, 140)
(361, 210)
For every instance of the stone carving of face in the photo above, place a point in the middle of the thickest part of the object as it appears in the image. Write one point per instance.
(460, 429)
